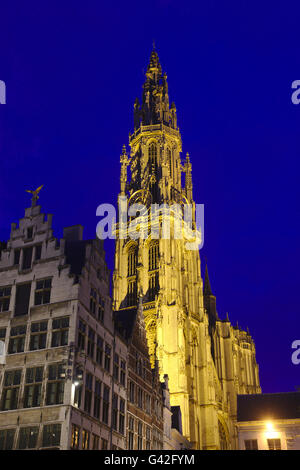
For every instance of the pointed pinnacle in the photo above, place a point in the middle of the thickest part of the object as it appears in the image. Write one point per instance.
(207, 288)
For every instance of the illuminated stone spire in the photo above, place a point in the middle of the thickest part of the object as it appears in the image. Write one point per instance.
(207, 288)
(209, 299)
(155, 107)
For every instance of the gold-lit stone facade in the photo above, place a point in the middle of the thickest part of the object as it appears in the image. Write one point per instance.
(208, 361)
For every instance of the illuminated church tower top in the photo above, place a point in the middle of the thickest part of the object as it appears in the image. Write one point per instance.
(155, 163)
(155, 108)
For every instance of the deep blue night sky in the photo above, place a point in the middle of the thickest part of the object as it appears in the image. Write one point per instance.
(72, 74)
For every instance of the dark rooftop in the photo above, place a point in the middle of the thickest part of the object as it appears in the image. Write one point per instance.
(176, 418)
(75, 255)
(268, 406)
(125, 320)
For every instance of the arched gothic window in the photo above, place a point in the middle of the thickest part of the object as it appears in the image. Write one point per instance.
(169, 156)
(153, 156)
(153, 270)
(153, 256)
(131, 274)
(131, 266)
(222, 437)
(153, 169)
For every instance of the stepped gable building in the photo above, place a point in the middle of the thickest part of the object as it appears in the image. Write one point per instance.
(208, 361)
(63, 371)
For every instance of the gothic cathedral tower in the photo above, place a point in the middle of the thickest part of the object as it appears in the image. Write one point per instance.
(166, 276)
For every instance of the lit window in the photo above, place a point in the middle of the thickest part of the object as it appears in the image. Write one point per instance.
(60, 331)
(28, 437)
(38, 336)
(33, 387)
(51, 435)
(11, 388)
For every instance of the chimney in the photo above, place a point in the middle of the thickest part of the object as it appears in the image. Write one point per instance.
(73, 233)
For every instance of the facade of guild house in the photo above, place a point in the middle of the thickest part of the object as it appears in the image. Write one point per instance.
(207, 360)
(63, 371)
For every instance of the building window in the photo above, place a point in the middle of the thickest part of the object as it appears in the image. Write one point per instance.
(33, 387)
(132, 257)
(12, 380)
(78, 387)
(95, 442)
(274, 444)
(75, 437)
(27, 258)
(101, 308)
(104, 444)
(138, 365)
(38, 252)
(153, 257)
(131, 392)
(93, 301)
(169, 156)
(153, 169)
(81, 335)
(28, 437)
(251, 444)
(157, 408)
(17, 254)
(85, 439)
(99, 352)
(7, 439)
(140, 435)
(97, 399)
(38, 335)
(91, 343)
(51, 435)
(105, 408)
(30, 233)
(131, 293)
(122, 416)
(60, 332)
(153, 286)
(88, 392)
(55, 385)
(140, 398)
(123, 373)
(22, 299)
(2, 341)
(42, 292)
(5, 293)
(115, 411)
(148, 403)
(153, 156)
(130, 433)
(107, 358)
(17, 339)
(116, 367)
(148, 438)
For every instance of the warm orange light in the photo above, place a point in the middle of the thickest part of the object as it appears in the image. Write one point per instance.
(269, 426)
(271, 433)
